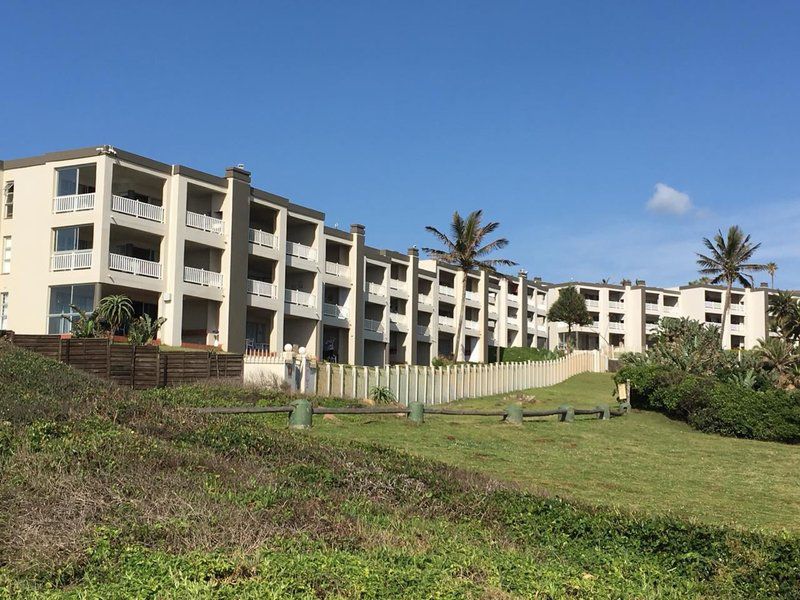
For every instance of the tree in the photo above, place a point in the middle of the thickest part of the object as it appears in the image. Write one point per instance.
(771, 267)
(144, 329)
(116, 310)
(569, 308)
(466, 247)
(779, 357)
(729, 262)
(784, 313)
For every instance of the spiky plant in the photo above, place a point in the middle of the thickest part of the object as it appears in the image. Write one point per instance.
(116, 310)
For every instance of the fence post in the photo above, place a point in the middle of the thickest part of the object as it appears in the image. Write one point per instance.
(408, 384)
(606, 414)
(568, 416)
(425, 385)
(416, 413)
(300, 417)
(514, 414)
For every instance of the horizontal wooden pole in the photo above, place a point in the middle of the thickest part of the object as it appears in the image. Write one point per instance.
(242, 410)
(367, 410)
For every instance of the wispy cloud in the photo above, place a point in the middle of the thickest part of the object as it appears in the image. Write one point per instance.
(667, 200)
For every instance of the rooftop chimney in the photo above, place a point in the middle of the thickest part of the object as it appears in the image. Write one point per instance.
(640, 282)
(358, 228)
(413, 251)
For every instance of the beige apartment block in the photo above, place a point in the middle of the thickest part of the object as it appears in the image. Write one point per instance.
(240, 268)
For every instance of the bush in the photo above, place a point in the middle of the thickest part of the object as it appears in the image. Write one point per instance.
(527, 354)
(715, 406)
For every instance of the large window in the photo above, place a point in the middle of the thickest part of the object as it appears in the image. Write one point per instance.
(4, 310)
(73, 238)
(75, 180)
(8, 200)
(6, 254)
(64, 299)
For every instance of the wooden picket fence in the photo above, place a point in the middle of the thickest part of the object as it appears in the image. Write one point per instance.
(437, 385)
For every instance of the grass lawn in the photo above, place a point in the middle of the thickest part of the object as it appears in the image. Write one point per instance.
(643, 461)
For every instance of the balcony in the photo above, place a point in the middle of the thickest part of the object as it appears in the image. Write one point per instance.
(616, 326)
(301, 251)
(335, 310)
(262, 238)
(592, 303)
(513, 297)
(71, 260)
(377, 289)
(73, 203)
(300, 298)
(737, 307)
(134, 266)
(472, 325)
(262, 288)
(650, 327)
(737, 326)
(397, 318)
(713, 305)
(447, 321)
(134, 208)
(424, 299)
(202, 277)
(670, 309)
(340, 270)
(651, 307)
(424, 330)
(513, 321)
(396, 284)
(372, 325)
(205, 223)
(445, 290)
(616, 304)
(472, 296)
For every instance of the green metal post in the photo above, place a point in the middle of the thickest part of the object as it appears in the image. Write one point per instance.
(625, 407)
(416, 412)
(514, 414)
(569, 416)
(606, 414)
(300, 417)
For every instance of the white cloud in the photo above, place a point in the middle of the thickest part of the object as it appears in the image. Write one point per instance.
(668, 200)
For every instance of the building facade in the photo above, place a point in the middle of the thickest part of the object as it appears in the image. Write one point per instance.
(237, 267)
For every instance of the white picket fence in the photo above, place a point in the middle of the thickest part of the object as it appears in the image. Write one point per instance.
(436, 385)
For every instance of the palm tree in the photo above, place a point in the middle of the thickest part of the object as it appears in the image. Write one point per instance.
(784, 313)
(729, 262)
(778, 356)
(771, 267)
(466, 248)
(116, 310)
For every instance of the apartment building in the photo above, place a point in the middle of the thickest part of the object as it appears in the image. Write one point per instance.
(233, 266)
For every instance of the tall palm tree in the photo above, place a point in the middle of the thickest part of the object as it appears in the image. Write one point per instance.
(729, 262)
(466, 247)
(771, 267)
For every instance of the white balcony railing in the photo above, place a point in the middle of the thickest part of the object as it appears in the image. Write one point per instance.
(512, 321)
(205, 223)
(372, 325)
(377, 289)
(714, 305)
(447, 321)
(301, 251)
(335, 310)
(262, 238)
(340, 270)
(670, 309)
(650, 327)
(445, 290)
(737, 327)
(472, 296)
(262, 288)
(651, 306)
(134, 208)
(396, 284)
(616, 326)
(424, 299)
(737, 307)
(300, 298)
(397, 318)
(592, 303)
(471, 325)
(541, 306)
(73, 202)
(202, 277)
(513, 297)
(423, 330)
(617, 304)
(71, 260)
(134, 266)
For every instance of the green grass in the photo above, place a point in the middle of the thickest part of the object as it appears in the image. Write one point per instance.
(644, 461)
(108, 494)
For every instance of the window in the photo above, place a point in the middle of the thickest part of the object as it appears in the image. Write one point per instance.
(4, 310)
(62, 300)
(75, 180)
(66, 239)
(8, 200)
(7, 254)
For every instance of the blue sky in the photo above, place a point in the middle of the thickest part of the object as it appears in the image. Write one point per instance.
(607, 138)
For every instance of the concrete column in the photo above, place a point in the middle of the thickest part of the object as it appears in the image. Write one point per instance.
(315, 343)
(276, 339)
(236, 213)
(171, 301)
(522, 290)
(412, 308)
(357, 265)
(483, 295)
(501, 328)
(102, 220)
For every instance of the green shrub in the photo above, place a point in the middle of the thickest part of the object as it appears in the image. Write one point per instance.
(527, 354)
